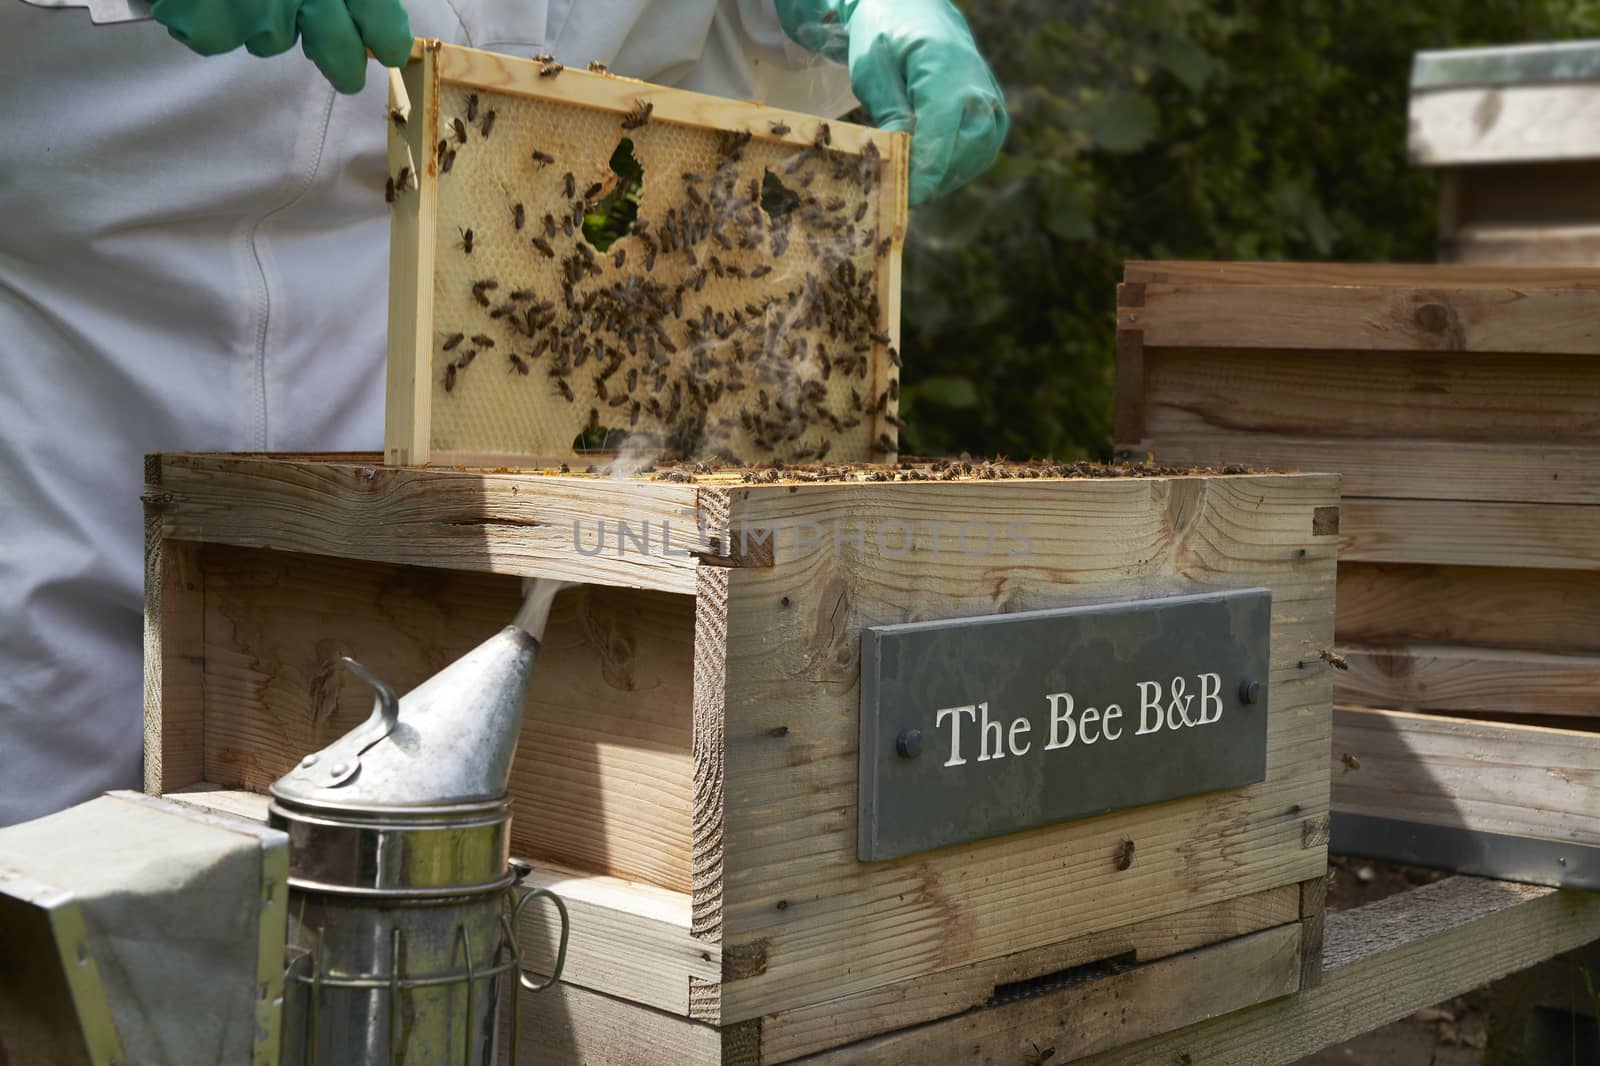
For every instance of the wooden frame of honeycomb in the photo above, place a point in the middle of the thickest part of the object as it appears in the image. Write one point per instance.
(750, 311)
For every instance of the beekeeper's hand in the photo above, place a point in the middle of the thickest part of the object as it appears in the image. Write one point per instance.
(334, 33)
(914, 66)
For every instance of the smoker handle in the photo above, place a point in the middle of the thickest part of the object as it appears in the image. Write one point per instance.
(561, 950)
(385, 704)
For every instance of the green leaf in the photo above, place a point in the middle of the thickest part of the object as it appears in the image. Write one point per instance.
(952, 392)
(1186, 61)
(1119, 121)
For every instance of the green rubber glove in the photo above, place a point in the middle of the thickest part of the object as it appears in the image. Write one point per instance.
(914, 66)
(334, 33)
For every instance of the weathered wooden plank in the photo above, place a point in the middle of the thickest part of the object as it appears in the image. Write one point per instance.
(1089, 1017)
(566, 1025)
(525, 524)
(1469, 533)
(1402, 396)
(1503, 124)
(794, 889)
(1482, 776)
(1446, 678)
(603, 774)
(413, 236)
(1368, 316)
(1398, 275)
(1398, 468)
(174, 651)
(790, 1034)
(1543, 610)
(1383, 962)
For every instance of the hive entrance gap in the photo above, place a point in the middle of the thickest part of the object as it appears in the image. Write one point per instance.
(612, 215)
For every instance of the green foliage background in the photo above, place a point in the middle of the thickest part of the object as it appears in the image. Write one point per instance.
(1152, 129)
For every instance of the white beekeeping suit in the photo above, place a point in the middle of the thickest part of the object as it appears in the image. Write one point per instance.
(193, 256)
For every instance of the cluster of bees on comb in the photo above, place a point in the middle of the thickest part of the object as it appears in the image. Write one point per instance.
(780, 362)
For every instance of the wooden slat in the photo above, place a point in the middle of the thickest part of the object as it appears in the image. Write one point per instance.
(1445, 678)
(627, 939)
(1399, 275)
(567, 1025)
(1397, 468)
(1515, 245)
(1504, 124)
(1383, 962)
(1372, 317)
(1451, 533)
(174, 650)
(520, 524)
(1483, 776)
(413, 232)
(500, 73)
(790, 1034)
(1404, 397)
(1487, 606)
(832, 926)
(602, 776)
(1099, 1014)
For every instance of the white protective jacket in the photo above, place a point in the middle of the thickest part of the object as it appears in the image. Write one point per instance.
(193, 256)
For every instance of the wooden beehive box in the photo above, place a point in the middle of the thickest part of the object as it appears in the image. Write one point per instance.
(688, 772)
(751, 310)
(1461, 404)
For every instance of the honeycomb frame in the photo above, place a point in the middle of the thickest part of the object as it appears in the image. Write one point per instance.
(680, 347)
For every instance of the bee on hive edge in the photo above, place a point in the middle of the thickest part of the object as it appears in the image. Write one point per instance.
(465, 244)
(780, 129)
(472, 108)
(1124, 854)
(448, 162)
(398, 118)
(639, 116)
(593, 190)
(894, 357)
(597, 67)
(388, 190)
(824, 135)
(883, 443)
(550, 69)
(518, 216)
(544, 57)
(544, 159)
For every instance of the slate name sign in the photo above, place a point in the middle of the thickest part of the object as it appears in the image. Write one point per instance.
(976, 727)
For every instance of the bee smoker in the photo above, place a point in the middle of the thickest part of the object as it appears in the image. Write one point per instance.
(401, 920)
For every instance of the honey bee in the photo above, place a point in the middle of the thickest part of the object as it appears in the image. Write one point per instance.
(483, 342)
(597, 67)
(883, 443)
(449, 161)
(450, 377)
(564, 389)
(388, 190)
(453, 340)
(466, 358)
(398, 118)
(861, 210)
(465, 244)
(639, 115)
(488, 122)
(517, 365)
(544, 247)
(461, 130)
(760, 272)
(600, 387)
(544, 159)
(1334, 659)
(481, 288)
(550, 69)
(518, 216)
(577, 212)
(544, 57)
(883, 247)
(633, 378)
(633, 414)
(824, 136)
(549, 225)
(566, 225)
(472, 108)
(444, 146)
(894, 389)
(567, 184)
(593, 191)
(522, 295)
(779, 129)
(894, 357)
(620, 258)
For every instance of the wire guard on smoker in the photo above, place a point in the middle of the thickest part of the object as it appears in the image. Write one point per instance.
(403, 905)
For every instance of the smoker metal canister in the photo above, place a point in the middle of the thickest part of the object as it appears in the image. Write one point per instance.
(400, 929)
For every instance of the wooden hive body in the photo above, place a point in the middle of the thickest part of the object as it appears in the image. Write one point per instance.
(741, 320)
(687, 774)
(1461, 405)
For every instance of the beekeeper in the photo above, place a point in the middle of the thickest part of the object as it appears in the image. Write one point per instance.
(193, 256)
